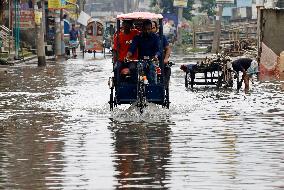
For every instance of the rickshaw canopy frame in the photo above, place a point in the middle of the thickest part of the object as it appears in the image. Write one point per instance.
(139, 16)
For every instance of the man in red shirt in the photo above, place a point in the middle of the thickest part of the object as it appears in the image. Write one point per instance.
(121, 46)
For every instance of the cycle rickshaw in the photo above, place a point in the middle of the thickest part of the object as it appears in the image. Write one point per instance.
(140, 93)
(94, 37)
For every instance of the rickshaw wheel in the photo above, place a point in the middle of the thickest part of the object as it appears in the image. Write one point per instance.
(166, 102)
(115, 102)
(111, 102)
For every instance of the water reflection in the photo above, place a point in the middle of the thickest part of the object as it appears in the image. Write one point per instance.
(31, 149)
(30, 157)
(55, 133)
(142, 153)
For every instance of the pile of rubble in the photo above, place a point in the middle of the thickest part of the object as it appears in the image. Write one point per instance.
(245, 47)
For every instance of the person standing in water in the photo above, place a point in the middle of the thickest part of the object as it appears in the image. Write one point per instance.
(242, 65)
(74, 35)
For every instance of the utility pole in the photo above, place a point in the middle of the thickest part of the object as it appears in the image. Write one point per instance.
(259, 7)
(58, 34)
(217, 32)
(40, 38)
(194, 36)
(180, 13)
(10, 33)
(17, 28)
(81, 8)
(125, 4)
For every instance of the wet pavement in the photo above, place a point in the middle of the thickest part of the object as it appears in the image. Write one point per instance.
(57, 133)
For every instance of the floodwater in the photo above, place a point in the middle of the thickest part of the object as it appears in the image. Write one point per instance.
(57, 133)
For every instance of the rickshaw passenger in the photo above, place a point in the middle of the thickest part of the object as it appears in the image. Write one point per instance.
(147, 44)
(165, 44)
(166, 50)
(121, 47)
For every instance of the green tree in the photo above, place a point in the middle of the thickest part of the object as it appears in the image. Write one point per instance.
(166, 6)
(208, 6)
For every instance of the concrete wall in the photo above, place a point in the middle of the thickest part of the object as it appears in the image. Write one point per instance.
(273, 29)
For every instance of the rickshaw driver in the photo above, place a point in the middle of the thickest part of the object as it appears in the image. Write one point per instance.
(147, 44)
(121, 47)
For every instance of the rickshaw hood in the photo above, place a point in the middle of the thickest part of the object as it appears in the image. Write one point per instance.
(139, 15)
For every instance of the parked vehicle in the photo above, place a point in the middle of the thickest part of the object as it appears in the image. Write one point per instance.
(94, 37)
(211, 71)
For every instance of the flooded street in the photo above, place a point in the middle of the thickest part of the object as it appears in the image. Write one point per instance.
(56, 132)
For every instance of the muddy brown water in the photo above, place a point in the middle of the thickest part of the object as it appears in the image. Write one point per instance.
(58, 133)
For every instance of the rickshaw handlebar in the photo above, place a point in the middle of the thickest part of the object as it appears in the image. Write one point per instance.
(154, 60)
(139, 60)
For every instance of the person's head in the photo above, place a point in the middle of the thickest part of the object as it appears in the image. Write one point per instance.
(127, 25)
(73, 26)
(147, 27)
(154, 27)
(184, 68)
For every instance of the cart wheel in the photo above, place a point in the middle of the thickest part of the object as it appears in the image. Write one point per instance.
(104, 52)
(220, 81)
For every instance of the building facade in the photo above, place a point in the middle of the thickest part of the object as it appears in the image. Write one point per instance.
(103, 8)
(144, 5)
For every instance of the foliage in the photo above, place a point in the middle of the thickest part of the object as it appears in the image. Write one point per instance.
(186, 37)
(208, 6)
(3, 61)
(166, 6)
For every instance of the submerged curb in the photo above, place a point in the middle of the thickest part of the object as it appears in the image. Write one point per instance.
(13, 62)
(32, 58)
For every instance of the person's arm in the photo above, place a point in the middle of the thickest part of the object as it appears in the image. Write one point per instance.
(156, 46)
(167, 50)
(133, 47)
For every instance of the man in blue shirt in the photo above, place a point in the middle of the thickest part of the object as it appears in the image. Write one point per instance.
(147, 44)
(242, 64)
(74, 34)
